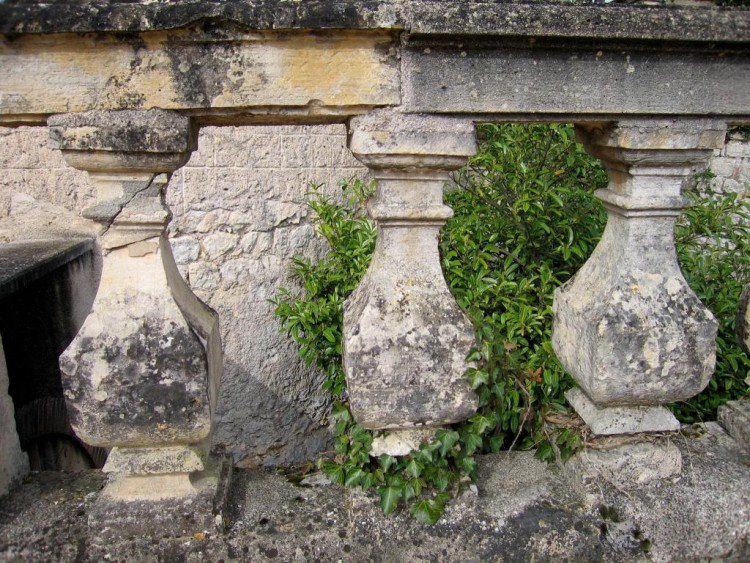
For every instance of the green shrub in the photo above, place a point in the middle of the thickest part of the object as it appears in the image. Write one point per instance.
(315, 320)
(525, 221)
(713, 247)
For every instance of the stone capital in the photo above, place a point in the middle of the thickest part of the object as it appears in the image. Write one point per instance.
(649, 160)
(386, 139)
(123, 141)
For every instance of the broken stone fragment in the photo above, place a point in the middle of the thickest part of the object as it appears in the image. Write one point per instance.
(734, 416)
(631, 464)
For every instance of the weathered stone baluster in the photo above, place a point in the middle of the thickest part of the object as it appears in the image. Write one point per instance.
(405, 339)
(142, 375)
(627, 326)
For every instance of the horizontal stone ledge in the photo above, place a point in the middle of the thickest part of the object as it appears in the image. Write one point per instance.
(23, 262)
(182, 70)
(580, 78)
(532, 17)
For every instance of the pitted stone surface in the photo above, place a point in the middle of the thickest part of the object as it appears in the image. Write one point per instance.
(522, 509)
(552, 17)
(621, 420)
(135, 375)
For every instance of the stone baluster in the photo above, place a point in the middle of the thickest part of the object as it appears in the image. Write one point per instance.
(142, 375)
(627, 326)
(405, 339)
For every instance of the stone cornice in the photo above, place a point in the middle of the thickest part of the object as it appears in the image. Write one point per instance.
(454, 17)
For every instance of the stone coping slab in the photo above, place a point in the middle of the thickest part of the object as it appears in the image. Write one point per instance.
(502, 18)
(23, 262)
(521, 509)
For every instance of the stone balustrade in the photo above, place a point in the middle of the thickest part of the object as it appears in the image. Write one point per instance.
(142, 375)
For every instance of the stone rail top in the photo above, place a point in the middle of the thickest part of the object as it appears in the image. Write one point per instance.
(282, 62)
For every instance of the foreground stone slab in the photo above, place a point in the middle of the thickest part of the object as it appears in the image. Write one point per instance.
(521, 510)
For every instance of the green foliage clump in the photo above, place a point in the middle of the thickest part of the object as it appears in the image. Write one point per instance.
(525, 220)
(316, 319)
(713, 247)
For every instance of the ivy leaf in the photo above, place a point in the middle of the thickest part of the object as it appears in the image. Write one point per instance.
(472, 442)
(447, 441)
(442, 481)
(426, 511)
(468, 464)
(389, 497)
(386, 461)
(477, 377)
(335, 473)
(413, 488)
(414, 468)
(354, 477)
(328, 333)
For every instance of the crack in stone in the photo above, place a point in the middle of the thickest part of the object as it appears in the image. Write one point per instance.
(121, 204)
